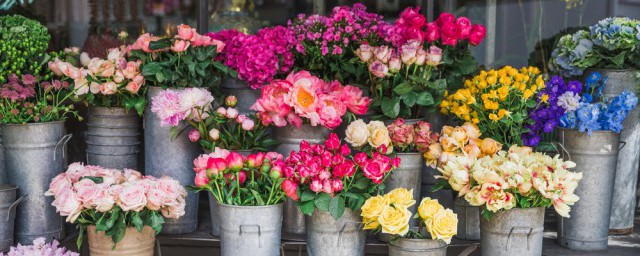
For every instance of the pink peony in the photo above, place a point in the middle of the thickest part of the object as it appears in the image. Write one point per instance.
(166, 105)
(235, 160)
(201, 163)
(291, 189)
(201, 179)
(248, 125)
(194, 135)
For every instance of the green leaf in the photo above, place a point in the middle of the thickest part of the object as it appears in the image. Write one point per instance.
(121, 229)
(307, 208)
(160, 44)
(258, 197)
(487, 214)
(403, 88)
(151, 69)
(440, 84)
(80, 236)
(137, 221)
(361, 183)
(336, 207)
(425, 99)
(618, 60)
(391, 107)
(156, 222)
(322, 202)
(307, 195)
(409, 99)
(349, 67)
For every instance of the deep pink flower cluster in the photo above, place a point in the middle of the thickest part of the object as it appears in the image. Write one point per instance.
(334, 34)
(447, 29)
(19, 90)
(258, 58)
(224, 164)
(304, 95)
(326, 167)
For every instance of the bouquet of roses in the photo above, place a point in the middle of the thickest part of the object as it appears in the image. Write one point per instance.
(186, 60)
(327, 177)
(325, 44)
(425, 57)
(611, 43)
(403, 136)
(257, 58)
(458, 141)
(591, 111)
(498, 101)
(92, 195)
(111, 82)
(40, 247)
(518, 178)
(302, 95)
(390, 214)
(26, 99)
(254, 180)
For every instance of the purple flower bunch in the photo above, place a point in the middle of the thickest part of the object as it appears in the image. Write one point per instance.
(18, 89)
(346, 27)
(258, 58)
(40, 247)
(550, 108)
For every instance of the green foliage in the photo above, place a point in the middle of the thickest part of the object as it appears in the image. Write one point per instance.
(23, 45)
(258, 190)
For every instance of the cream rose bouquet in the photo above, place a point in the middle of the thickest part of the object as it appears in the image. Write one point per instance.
(390, 214)
(113, 200)
(403, 136)
(518, 178)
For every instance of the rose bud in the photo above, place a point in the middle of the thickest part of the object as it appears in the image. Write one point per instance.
(221, 112)
(231, 101)
(194, 135)
(291, 189)
(242, 177)
(266, 167)
(232, 113)
(275, 173)
(333, 142)
(214, 134)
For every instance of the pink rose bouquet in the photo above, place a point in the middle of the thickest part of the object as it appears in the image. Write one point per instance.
(302, 95)
(92, 195)
(258, 58)
(411, 75)
(111, 82)
(185, 60)
(518, 178)
(254, 180)
(327, 176)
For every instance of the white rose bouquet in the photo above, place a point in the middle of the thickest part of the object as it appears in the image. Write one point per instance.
(113, 200)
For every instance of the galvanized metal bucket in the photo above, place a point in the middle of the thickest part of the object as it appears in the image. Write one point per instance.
(35, 154)
(8, 204)
(513, 232)
(289, 138)
(625, 185)
(445, 197)
(250, 230)
(113, 138)
(246, 96)
(343, 237)
(417, 247)
(437, 121)
(3, 171)
(596, 158)
(407, 175)
(134, 243)
(468, 220)
(173, 158)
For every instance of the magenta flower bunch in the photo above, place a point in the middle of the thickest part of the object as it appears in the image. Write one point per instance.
(258, 58)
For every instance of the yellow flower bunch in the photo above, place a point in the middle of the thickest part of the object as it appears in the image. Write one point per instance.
(390, 215)
(460, 140)
(502, 96)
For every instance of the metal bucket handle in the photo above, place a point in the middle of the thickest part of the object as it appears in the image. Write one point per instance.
(13, 205)
(622, 144)
(259, 233)
(359, 226)
(530, 229)
(564, 150)
(63, 141)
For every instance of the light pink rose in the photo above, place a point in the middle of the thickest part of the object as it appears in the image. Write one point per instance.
(108, 88)
(132, 175)
(107, 69)
(421, 57)
(378, 69)
(133, 87)
(132, 197)
(75, 171)
(58, 183)
(434, 56)
(383, 53)
(180, 46)
(248, 125)
(110, 176)
(104, 201)
(94, 65)
(364, 52)
(174, 209)
(185, 32)
(394, 64)
(131, 70)
(67, 204)
(118, 77)
(171, 188)
(86, 191)
(155, 199)
(409, 51)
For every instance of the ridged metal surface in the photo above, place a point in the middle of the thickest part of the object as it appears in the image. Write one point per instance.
(417, 247)
(468, 219)
(250, 230)
(329, 237)
(8, 204)
(513, 232)
(596, 158)
(113, 138)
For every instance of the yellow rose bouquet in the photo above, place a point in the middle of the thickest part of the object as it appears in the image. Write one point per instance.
(498, 101)
(518, 178)
(390, 214)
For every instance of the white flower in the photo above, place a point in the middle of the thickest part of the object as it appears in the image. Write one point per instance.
(357, 133)
(569, 101)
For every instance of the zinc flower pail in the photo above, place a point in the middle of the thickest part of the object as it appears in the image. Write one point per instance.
(437, 121)
(513, 232)
(329, 237)
(289, 138)
(596, 157)
(408, 176)
(113, 138)
(468, 220)
(626, 180)
(8, 204)
(174, 158)
(35, 154)
(250, 230)
(3, 171)
(246, 96)
(417, 247)
(134, 243)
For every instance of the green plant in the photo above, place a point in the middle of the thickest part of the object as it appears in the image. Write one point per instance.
(23, 45)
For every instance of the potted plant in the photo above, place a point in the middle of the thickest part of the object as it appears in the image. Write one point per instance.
(513, 187)
(590, 135)
(248, 194)
(330, 185)
(610, 48)
(407, 141)
(120, 211)
(390, 214)
(410, 74)
(114, 90)
(184, 61)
